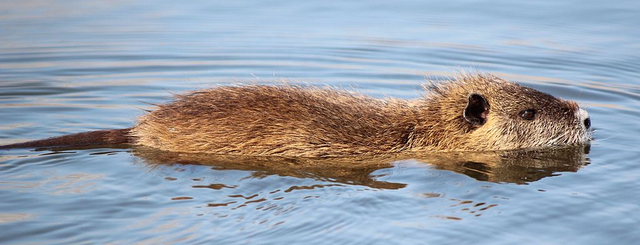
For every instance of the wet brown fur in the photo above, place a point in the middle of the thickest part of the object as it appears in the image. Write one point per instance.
(311, 122)
(443, 127)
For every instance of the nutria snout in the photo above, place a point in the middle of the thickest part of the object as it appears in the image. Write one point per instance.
(470, 113)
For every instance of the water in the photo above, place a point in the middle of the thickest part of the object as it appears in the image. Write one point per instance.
(73, 66)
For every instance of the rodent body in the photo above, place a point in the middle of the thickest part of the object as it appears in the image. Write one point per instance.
(266, 120)
(471, 113)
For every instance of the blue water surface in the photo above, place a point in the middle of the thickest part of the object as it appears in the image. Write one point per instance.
(74, 66)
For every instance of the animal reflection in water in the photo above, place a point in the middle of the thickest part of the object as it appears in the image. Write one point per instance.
(520, 166)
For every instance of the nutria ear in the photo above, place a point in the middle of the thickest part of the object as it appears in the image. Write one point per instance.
(477, 110)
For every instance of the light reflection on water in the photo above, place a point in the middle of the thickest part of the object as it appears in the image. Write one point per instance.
(75, 66)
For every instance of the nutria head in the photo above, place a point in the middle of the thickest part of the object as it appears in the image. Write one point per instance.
(484, 112)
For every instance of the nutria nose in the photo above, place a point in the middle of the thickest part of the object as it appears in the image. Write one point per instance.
(587, 123)
(583, 116)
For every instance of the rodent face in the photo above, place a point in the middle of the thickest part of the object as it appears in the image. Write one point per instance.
(505, 115)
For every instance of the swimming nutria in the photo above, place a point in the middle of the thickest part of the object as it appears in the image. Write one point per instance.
(471, 113)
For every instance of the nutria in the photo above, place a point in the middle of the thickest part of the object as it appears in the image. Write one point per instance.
(474, 112)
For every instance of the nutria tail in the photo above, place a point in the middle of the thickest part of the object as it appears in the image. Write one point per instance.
(85, 139)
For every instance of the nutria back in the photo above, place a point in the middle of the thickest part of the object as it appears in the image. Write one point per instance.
(286, 120)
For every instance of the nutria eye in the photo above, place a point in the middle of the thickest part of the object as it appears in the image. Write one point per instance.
(529, 114)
